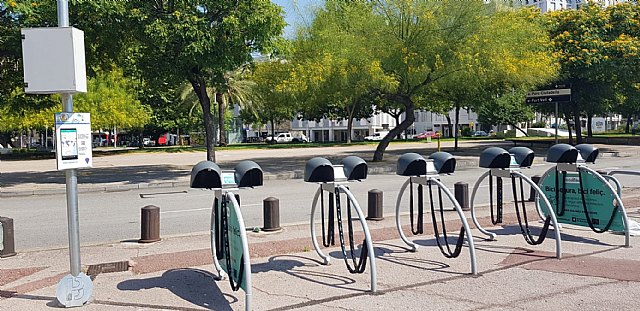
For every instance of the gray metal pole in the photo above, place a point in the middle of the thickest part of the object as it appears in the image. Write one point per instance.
(557, 123)
(73, 223)
(71, 176)
(63, 13)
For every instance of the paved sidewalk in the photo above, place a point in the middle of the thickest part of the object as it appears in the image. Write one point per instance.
(596, 273)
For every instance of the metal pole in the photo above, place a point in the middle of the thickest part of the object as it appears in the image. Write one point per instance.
(71, 175)
(557, 123)
(63, 13)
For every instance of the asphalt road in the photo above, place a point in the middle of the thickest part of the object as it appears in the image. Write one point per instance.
(40, 221)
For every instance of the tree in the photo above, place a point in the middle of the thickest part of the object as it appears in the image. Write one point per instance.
(334, 72)
(598, 52)
(419, 43)
(506, 109)
(197, 41)
(273, 103)
(112, 101)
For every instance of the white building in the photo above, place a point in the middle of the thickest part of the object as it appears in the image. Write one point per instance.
(552, 5)
(332, 130)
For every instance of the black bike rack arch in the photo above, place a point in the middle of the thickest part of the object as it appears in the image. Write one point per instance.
(507, 164)
(333, 179)
(426, 172)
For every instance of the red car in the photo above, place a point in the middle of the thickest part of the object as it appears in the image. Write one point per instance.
(424, 135)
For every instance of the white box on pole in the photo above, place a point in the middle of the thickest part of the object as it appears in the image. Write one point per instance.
(73, 140)
(53, 60)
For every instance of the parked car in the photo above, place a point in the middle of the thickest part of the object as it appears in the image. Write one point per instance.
(376, 136)
(480, 134)
(147, 141)
(287, 138)
(424, 135)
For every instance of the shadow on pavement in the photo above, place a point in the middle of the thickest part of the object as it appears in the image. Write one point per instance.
(292, 267)
(193, 285)
(125, 174)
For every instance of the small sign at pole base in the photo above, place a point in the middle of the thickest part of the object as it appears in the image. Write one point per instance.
(74, 291)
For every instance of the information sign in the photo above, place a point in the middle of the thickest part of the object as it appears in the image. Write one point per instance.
(235, 248)
(73, 140)
(599, 198)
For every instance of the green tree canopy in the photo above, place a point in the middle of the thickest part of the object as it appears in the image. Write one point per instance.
(423, 48)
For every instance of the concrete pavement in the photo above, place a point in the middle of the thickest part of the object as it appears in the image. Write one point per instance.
(596, 273)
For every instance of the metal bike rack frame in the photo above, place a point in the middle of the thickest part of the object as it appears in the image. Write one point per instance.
(423, 180)
(508, 173)
(332, 187)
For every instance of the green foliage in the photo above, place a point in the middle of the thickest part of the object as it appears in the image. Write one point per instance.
(597, 49)
(508, 109)
(112, 101)
(419, 54)
(272, 102)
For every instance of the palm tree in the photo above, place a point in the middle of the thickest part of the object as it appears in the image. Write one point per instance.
(235, 89)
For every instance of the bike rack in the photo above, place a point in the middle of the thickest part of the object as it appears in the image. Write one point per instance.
(423, 173)
(570, 159)
(503, 164)
(333, 179)
(226, 186)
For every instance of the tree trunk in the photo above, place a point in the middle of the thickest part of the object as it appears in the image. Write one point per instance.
(589, 127)
(566, 119)
(450, 126)
(397, 118)
(627, 128)
(455, 146)
(349, 127)
(409, 108)
(200, 88)
(222, 140)
(578, 124)
(273, 131)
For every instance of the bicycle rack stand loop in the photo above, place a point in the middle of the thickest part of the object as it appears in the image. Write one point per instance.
(333, 179)
(571, 165)
(426, 172)
(226, 216)
(507, 164)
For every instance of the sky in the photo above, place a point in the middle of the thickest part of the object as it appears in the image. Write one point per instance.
(297, 13)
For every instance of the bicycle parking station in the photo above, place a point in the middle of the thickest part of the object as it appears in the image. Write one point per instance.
(426, 172)
(507, 164)
(581, 196)
(229, 245)
(333, 179)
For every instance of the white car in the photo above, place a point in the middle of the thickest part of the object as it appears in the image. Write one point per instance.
(287, 138)
(376, 136)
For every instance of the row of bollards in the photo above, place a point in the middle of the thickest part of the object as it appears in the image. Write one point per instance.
(150, 216)
(150, 220)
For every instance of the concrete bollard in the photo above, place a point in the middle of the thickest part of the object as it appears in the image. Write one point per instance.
(532, 194)
(7, 246)
(150, 224)
(461, 192)
(271, 214)
(374, 211)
